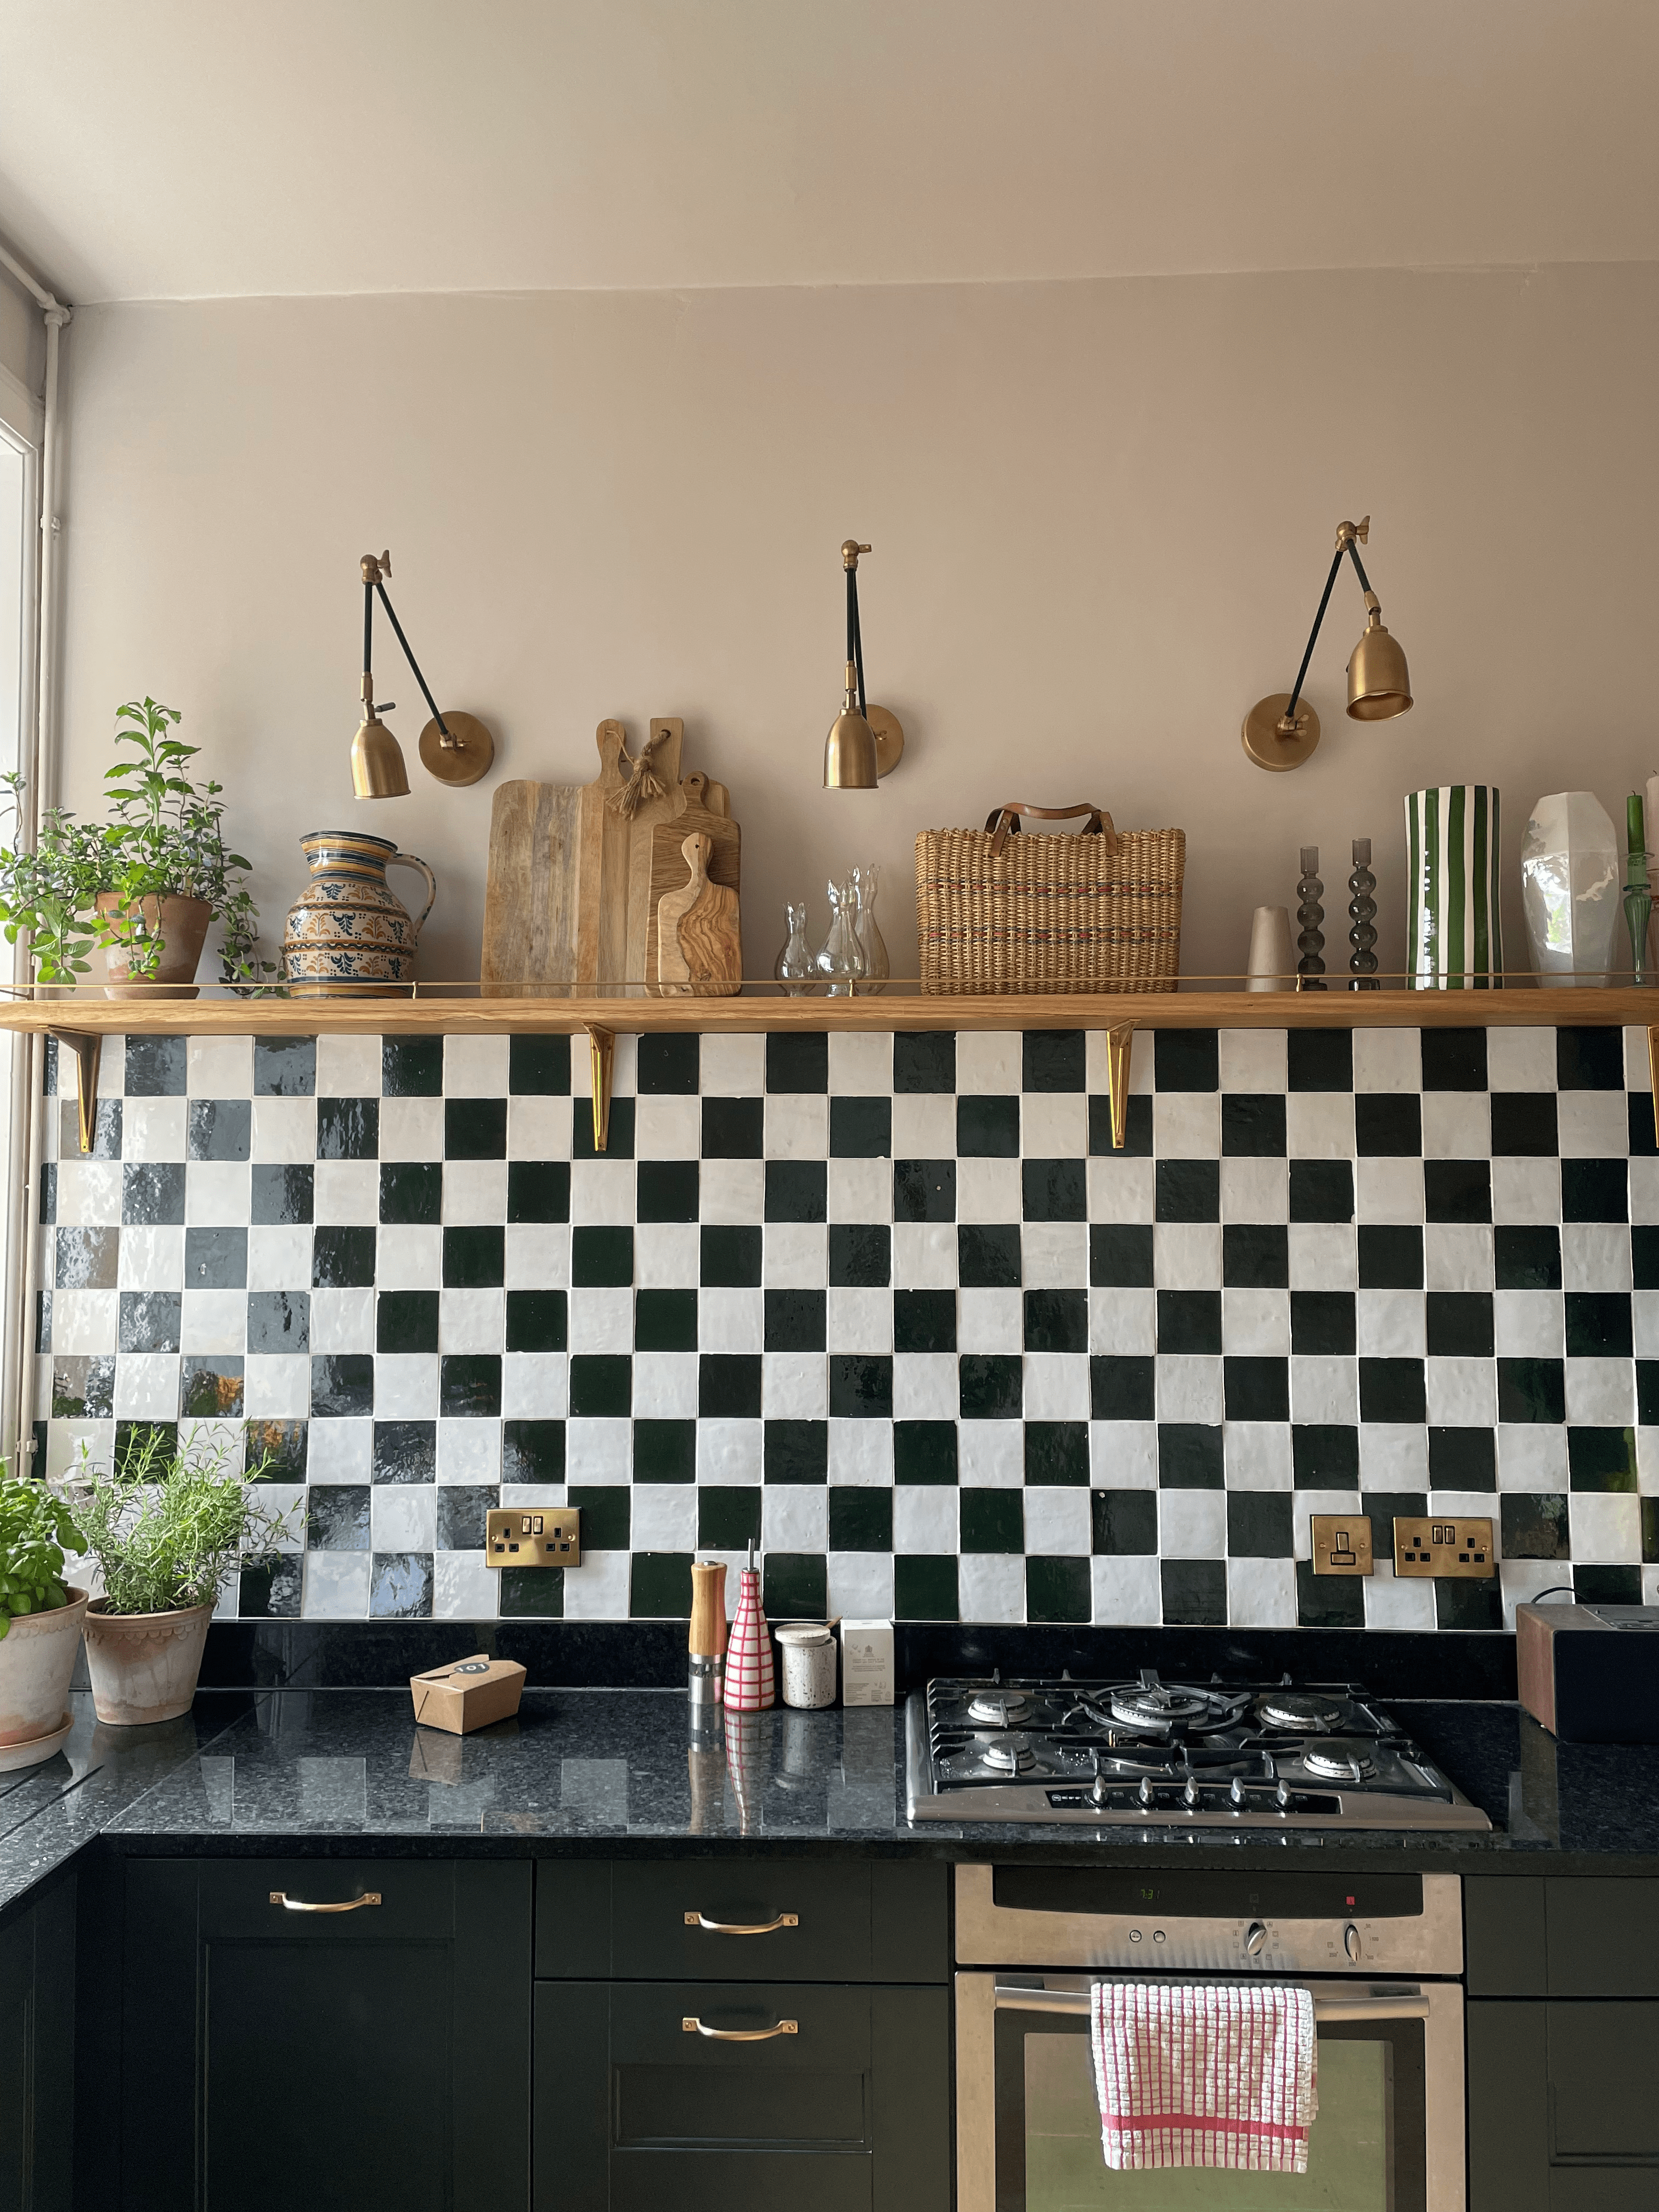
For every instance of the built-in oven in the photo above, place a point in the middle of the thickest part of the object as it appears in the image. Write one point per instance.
(1379, 1954)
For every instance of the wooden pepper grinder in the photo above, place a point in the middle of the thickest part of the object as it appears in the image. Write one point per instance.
(707, 1637)
(748, 1686)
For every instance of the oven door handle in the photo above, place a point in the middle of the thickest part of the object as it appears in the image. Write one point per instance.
(1325, 2008)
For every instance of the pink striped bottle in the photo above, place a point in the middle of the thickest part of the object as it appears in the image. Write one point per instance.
(749, 1682)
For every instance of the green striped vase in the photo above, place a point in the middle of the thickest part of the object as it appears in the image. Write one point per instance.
(1454, 937)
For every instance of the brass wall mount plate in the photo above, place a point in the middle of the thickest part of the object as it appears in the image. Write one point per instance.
(461, 764)
(1260, 735)
(889, 733)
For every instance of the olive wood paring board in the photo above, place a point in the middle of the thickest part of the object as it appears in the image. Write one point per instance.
(698, 947)
(668, 863)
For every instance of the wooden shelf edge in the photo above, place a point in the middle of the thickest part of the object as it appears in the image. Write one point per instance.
(1520, 1008)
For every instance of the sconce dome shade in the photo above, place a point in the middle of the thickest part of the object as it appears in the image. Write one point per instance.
(377, 761)
(1379, 686)
(849, 754)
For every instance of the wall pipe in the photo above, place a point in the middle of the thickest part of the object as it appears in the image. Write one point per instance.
(27, 1116)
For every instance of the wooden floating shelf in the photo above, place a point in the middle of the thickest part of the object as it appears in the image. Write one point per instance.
(1520, 1006)
(81, 1023)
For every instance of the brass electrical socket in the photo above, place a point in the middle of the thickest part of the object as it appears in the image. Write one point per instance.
(1341, 1544)
(1435, 1547)
(533, 1536)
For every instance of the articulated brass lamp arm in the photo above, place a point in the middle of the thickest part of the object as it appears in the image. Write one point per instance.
(1281, 732)
(1346, 534)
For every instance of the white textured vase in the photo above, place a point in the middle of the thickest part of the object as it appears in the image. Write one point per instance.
(143, 1665)
(1572, 890)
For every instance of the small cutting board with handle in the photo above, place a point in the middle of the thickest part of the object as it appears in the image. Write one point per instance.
(669, 870)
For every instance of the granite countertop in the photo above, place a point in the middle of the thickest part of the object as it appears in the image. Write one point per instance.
(616, 1771)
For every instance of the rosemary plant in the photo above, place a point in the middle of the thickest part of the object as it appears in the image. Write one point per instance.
(168, 1526)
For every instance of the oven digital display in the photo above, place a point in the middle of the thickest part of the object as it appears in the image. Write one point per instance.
(1201, 1895)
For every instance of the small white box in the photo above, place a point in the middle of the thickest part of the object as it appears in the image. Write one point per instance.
(866, 1662)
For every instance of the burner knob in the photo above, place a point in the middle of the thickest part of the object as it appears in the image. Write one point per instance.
(1097, 1787)
(1237, 1793)
(1351, 1941)
(1144, 1792)
(1189, 1794)
(1282, 1796)
(1254, 1936)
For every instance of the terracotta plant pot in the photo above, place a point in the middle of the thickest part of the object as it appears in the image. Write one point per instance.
(143, 1665)
(37, 1657)
(182, 924)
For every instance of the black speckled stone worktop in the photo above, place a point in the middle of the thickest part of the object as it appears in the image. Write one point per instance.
(615, 1773)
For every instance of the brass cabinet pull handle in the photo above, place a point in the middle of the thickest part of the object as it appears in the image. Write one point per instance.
(298, 1904)
(739, 1928)
(691, 2024)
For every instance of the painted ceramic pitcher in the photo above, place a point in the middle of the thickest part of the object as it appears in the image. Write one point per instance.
(349, 932)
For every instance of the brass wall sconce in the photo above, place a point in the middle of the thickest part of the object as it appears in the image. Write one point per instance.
(1279, 732)
(865, 743)
(456, 748)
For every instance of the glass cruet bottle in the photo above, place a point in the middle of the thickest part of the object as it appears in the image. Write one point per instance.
(840, 957)
(794, 967)
(871, 944)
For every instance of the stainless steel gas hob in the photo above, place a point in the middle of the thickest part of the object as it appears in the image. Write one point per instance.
(1043, 1747)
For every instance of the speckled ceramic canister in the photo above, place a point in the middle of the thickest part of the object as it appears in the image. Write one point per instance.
(349, 932)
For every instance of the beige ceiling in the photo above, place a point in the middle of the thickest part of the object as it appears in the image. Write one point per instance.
(188, 148)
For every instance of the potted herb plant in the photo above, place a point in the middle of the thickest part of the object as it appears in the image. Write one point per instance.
(146, 886)
(40, 1619)
(164, 1531)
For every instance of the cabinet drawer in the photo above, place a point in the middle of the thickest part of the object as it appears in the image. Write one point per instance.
(679, 1922)
(1603, 1938)
(416, 1899)
(650, 2091)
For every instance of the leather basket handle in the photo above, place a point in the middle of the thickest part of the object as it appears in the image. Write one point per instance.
(1003, 821)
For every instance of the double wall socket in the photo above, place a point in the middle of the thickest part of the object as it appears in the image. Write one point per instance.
(1341, 1544)
(1463, 1549)
(551, 1537)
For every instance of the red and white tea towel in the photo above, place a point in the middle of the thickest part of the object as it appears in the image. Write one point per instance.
(1205, 2074)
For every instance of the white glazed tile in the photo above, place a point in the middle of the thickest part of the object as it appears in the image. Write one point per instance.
(476, 1066)
(1123, 1455)
(1128, 1592)
(1252, 1060)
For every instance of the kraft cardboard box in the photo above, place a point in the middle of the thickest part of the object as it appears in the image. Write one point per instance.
(468, 1695)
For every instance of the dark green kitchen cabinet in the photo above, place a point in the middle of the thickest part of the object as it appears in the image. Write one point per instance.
(325, 2035)
(1563, 2114)
(738, 2096)
(37, 2053)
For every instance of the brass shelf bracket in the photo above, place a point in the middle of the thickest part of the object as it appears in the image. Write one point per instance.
(87, 1047)
(602, 1053)
(1119, 1039)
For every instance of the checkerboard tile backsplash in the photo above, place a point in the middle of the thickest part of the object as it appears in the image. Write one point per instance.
(889, 1306)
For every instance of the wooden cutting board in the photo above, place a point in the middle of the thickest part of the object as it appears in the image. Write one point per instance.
(668, 870)
(699, 950)
(529, 894)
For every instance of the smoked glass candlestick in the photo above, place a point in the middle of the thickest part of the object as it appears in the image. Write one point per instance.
(1362, 912)
(1639, 896)
(1309, 914)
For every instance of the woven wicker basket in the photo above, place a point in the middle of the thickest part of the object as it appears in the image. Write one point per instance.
(1097, 912)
